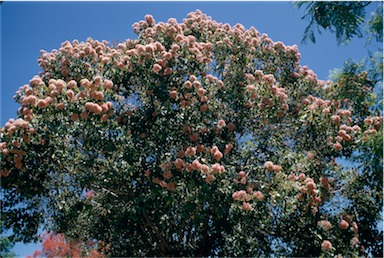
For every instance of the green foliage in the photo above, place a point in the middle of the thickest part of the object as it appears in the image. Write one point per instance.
(5, 244)
(375, 24)
(344, 18)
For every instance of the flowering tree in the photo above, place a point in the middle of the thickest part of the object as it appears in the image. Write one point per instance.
(197, 138)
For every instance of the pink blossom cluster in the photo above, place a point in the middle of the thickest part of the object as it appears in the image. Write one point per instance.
(199, 51)
(345, 134)
(246, 197)
(168, 185)
(17, 133)
(62, 94)
(373, 123)
(308, 191)
(316, 103)
(262, 88)
(216, 153)
(270, 167)
(308, 74)
(326, 245)
(324, 224)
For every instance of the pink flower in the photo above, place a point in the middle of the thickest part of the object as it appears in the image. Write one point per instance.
(326, 111)
(167, 55)
(216, 168)
(157, 68)
(355, 228)
(105, 60)
(204, 108)
(156, 180)
(190, 151)
(337, 146)
(104, 118)
(173, 94)
(163, 184)
(97, 95)
(85, 83)
(59, 85)
(193, 137)
(175, 48)
(104, 107)
(343, 224)
(221, 123)
(217, 155)
(250, 88)
(149, 19)
(302, 176)
(149, 48)
(171, 186)
(108, 84)
(201, 92)
(209, 178)
(246, 206)
(324, 224)
(97, 80)
(231, 127)
(167, 175)
(89, 194)
(74, 117)
(204, 99)
(292, 177)
(188, 85)
(109, 104)
(258, 195)
(220, 84)
(200, 148)
(93, 107)
(303, 189)
(311, 186)
(269, 166)
(354, 241)
(84, 115)
(36, 80)
(196, 84)
(368, 121)
(228, 148)
(196, 165)
(241, 174)
(336, 119)
(4, 172)
(70, 94)
(239, 195)
(179, 163)
(326, 245)
(276, 168)
(204, 169)
(42, 103)
(61, 106)
(356, 128)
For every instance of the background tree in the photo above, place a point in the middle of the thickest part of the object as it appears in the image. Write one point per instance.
(5, 244)
(344, 18)
(347, 20)
(195, 139)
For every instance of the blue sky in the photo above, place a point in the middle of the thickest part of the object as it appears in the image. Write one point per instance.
(27, 27)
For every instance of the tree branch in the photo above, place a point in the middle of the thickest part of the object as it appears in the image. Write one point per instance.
(164, 247)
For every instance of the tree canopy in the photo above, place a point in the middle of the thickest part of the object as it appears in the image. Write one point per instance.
(197, 138)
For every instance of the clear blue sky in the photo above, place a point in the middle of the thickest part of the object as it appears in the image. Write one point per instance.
(27, 27)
